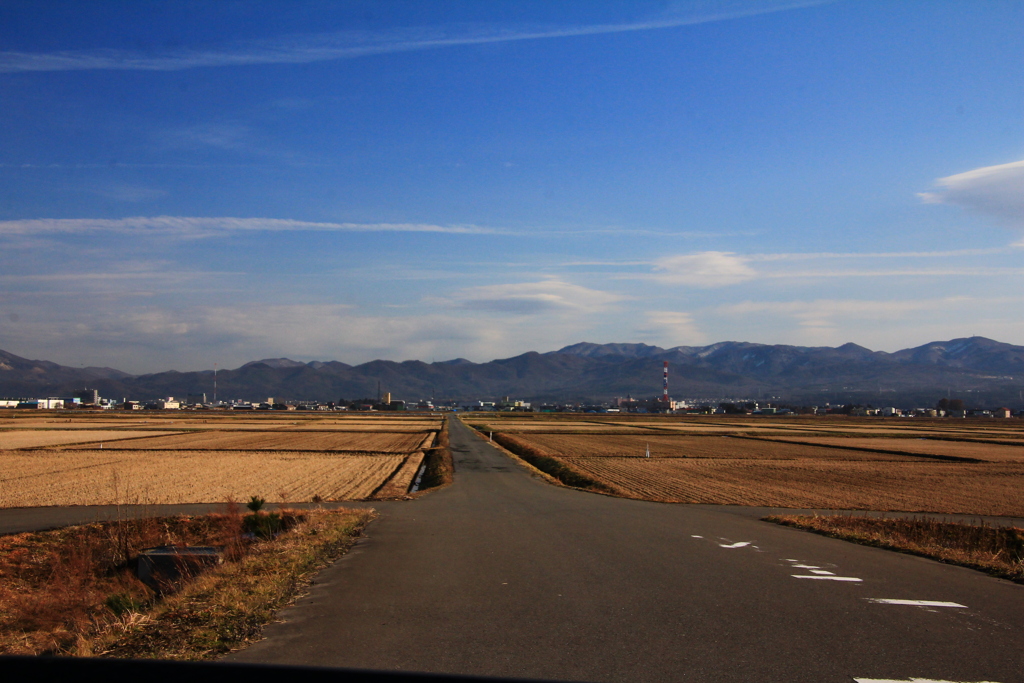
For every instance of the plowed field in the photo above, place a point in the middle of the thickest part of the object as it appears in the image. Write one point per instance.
(965, 488)
(102, 477)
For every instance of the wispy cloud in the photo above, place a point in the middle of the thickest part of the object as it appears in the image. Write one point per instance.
(812, 313)
(677, 327)
(148, 338)
(994, 190)
(704, 269)
(980, 271)
(347, 45)
(875, 255)
(825, 321)
(531, 298)
(187, 226)
(710, 269)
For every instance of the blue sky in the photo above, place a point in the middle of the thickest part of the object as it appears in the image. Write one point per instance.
(183, 184)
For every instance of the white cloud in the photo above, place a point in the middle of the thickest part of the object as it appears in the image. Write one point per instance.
(327, 47)
(531, 298)
(190, 226)
(704, 269)
(993, 190)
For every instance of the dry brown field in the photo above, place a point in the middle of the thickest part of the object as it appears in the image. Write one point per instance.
(88, 459)
(954, 488)
(107, 477)
(263, 440)
(834, 466)
(986, 451)
(720, 447)
(30, 438)
(567, 428)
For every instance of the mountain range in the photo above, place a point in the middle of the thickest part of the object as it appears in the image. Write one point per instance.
(981, 371)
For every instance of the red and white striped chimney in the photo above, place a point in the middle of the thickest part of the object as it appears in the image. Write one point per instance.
(664, 393)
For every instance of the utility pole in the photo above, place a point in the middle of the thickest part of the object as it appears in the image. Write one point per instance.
(214, 382)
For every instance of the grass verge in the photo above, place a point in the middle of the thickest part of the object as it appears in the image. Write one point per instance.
(550, 465)
(67, 593)
(439, 468)
(996, 550)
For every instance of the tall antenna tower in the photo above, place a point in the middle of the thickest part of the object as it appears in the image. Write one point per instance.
(664, 391)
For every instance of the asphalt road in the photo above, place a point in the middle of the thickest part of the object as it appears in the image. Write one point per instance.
(18, 520)
(502, 574)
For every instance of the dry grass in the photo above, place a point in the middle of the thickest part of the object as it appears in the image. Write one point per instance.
(663, 446)
(558, 468)
(92, 605)
(284, 441)
(439, 469)
(35, 478)
(29, 438)
(59, 586)
(996, 550)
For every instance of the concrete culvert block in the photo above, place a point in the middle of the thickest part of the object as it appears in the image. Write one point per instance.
(166, 567)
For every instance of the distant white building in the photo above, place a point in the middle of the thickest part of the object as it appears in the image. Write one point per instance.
(169, 403)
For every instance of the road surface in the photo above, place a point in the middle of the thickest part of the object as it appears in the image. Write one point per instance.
(502, 574)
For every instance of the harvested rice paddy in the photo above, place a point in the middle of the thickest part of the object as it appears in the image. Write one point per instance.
(30, 438)
(302, 441)
(108, 477)
(827, 463)
(89, 459)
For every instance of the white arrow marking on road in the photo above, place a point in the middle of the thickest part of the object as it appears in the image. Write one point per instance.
(741, 544)
(822, 572)
(916, 603)
(826, 578)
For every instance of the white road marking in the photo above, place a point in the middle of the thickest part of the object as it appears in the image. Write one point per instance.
(695, 536)
(822, 572)
(826, 578)
(913, 680)
(741, 544)
(806, 566)
(789, 559)
(916, 603)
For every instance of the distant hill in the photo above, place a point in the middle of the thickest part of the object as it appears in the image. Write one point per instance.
(981, 371)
